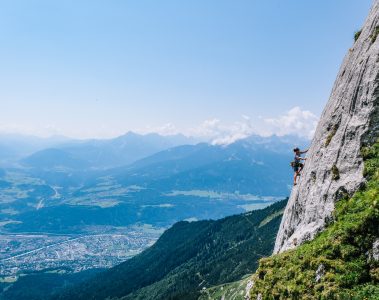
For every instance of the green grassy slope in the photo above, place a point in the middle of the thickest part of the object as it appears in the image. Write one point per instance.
(233, 290)
(188, 257)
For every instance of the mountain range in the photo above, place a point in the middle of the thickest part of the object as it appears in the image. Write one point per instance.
(104, 153)
(62, 193)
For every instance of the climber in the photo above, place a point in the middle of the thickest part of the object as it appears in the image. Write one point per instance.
(296, 164)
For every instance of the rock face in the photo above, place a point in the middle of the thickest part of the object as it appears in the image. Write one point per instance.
(375, 250)
(350, 120)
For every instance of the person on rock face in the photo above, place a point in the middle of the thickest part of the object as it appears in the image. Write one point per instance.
(297, 165)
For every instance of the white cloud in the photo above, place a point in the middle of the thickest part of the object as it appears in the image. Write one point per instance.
(221, 133)
(295, 121)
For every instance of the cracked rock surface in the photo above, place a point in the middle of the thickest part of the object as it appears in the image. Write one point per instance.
(350, 120)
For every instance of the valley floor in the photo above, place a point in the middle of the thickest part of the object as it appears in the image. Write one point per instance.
(22, 253)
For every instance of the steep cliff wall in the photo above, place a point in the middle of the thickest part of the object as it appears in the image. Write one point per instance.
(350, 120)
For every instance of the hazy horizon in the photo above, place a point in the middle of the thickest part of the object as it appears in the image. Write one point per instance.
(220, 138)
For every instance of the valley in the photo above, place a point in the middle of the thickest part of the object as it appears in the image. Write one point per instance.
(60, 215)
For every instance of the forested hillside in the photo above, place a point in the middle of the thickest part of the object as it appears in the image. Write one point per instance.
(188, 257)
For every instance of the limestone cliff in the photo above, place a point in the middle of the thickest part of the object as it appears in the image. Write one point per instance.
(350, 120)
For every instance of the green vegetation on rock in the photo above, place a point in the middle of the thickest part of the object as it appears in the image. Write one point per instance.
(357, 34)
(331, 134)
(375, 34)
(338, 263)
(335, 173)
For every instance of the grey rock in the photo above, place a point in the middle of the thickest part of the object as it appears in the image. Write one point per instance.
(320, 272)
(334, 167)
(375, 250)
(259, 297)
(249, 286)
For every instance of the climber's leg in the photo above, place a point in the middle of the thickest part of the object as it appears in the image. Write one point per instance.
(295, 176)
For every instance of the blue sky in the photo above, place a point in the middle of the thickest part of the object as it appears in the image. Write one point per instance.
(101, 68)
